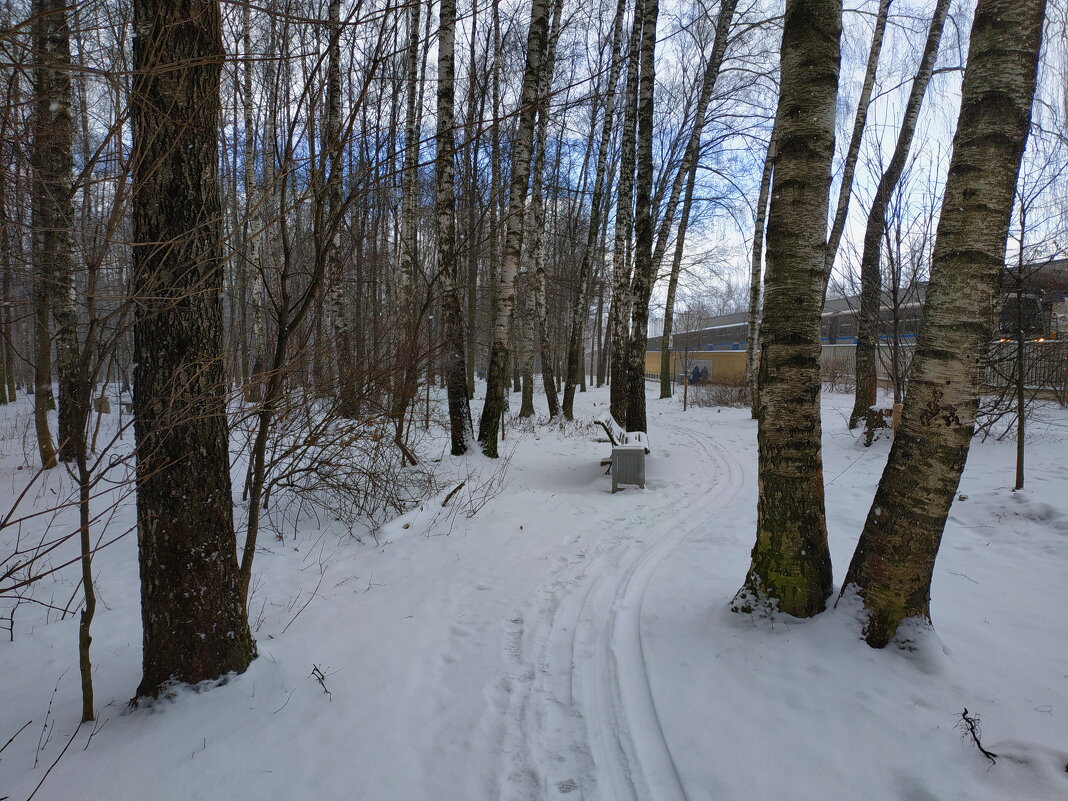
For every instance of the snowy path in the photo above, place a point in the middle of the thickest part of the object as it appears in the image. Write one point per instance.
(541, 639)
(580, 683)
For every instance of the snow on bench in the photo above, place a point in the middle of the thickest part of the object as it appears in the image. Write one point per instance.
(627, 462)
(618, 437)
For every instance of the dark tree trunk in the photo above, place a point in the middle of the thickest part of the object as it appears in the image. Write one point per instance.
(791, 562)
(622, 302)
(894, 560)
(407, 362)
(52, 221)
(642, 281)
(451, 301)
(195, 625)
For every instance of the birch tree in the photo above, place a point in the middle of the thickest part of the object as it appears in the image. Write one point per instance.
(791, 563)
(500, 350)
(633, 361)
(622, 302)
(894, 560)
(455, 361)
(407, 337)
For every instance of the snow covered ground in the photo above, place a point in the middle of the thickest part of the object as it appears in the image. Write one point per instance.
(541, 638)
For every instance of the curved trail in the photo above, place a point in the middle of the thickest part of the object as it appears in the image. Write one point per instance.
(587, 717)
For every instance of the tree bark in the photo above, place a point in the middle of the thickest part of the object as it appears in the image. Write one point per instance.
(406, 364)
(642, 280)
(548, 376)
(455, 362)
(537, 66)
(52, 223)
(894, 559)
(622, 302)
(791, 564)
(349, 390)
(867, 351)
(756, 272)
(194, 620)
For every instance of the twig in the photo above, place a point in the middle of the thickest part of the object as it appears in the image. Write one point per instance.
(971, 724)
(448, 497)
(310, 598)
(94, 732)
(321, 678)
(61, 753)
(370, 582)
(41, 742)
(283, 706)
(16, 734)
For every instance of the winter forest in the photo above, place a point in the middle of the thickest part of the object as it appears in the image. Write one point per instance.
(626, 400)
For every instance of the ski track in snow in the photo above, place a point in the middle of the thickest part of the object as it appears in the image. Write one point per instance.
(579, 686)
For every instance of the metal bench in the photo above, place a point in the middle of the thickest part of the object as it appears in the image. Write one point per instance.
(627, 462)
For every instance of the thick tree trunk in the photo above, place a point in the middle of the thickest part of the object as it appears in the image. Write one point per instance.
(52, 224)
(642, 280)
(58, 219)
(867, 351)
(330, 223)
(622, 302)
(533, 278)
(895, 557)
(534, 77)
(455, 363)
(194, 619)
(791, 566)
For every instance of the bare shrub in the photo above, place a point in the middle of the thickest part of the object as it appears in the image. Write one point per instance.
(320, 462)
(837, 372)
(734, 395)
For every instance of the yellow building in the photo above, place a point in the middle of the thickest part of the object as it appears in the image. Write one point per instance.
(715, 366)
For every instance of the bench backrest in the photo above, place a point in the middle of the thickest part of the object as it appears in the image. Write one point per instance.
(618, 436)
(615, 432)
